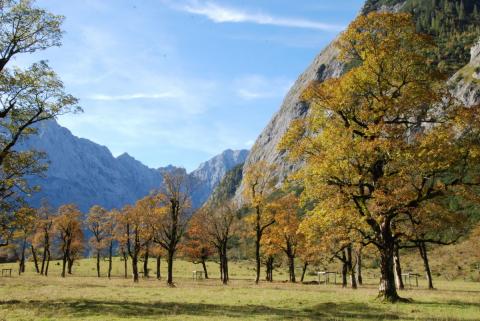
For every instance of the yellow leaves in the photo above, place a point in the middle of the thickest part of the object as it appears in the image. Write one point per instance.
(383, 139)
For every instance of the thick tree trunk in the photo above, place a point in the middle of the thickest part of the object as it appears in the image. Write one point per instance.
(351, 268)
(135, 269)
(304, 270)
(358, 266)
(170, 268)
(387, 288)
(204, 268)
(398, 269)
(110, 255)
(291, 268)
(159, 258)
(35, 259)
(98, 263)
(423, 253)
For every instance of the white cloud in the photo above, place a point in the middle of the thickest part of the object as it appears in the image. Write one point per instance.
(221, 14)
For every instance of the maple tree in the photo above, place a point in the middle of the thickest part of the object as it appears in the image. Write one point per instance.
(385, 138)
(173, 207)
(196, 245)
(259, 181)
(68, 225)
(96, 222)
(25, 219)
(283, 235)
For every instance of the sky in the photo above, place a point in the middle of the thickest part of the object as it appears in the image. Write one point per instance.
(179, 81)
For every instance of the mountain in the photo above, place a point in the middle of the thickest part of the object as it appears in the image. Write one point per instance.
(85, 173)
(457, 27)
(210, 173)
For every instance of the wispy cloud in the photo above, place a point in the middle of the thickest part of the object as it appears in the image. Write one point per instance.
(254, 87)
(164, 95)
(222, 14)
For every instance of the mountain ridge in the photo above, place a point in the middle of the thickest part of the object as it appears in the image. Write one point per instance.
(86, 173)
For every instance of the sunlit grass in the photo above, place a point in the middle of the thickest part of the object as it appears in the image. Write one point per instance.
(85, 297)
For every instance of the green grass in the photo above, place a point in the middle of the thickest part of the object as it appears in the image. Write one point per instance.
(85, 297)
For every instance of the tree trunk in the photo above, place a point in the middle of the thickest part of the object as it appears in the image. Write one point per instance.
(125, 265)
(398, 269)
(98, 263)
(291, 268)
(344, 269)
(204, 268)
(145, 263)
(48, 262)
(110, 254)
(221, 268)
(387, 288)
(257, 256)
(358, 266)
(44, 259)
(35, 259)
(170, 268)
(21, 268)
(159, 258)
(353, 280)
(423, 253)
(64, 264)
(269, 269)
(135, 269)
(226, 277)
(70, 264)
(304, 270)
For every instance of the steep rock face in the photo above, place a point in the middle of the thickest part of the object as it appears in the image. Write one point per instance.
(210, 173)
(85, 173)
(466, 82)
(323, 67)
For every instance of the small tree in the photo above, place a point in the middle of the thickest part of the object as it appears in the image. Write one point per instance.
(259, 182)
(196, 245)
(173, 208)
(44, 234)
(284, 234)
(68, 226)
(97, 221)
(24, 224)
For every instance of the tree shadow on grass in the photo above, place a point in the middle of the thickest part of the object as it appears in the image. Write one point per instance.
(155, 310)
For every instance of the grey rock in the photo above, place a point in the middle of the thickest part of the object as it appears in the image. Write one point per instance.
(85, 173)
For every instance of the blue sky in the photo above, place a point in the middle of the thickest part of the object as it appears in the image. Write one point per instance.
(179, 81)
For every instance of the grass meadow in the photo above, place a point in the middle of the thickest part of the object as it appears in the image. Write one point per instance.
(86, 297)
